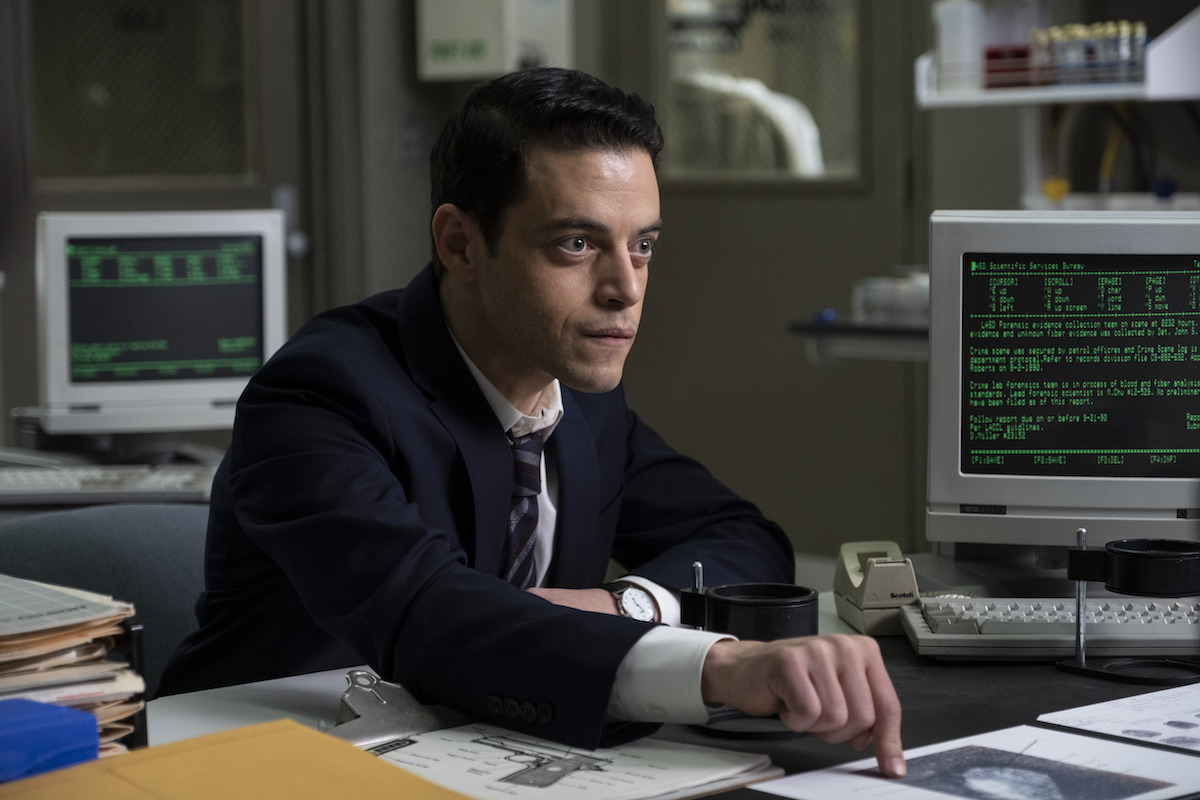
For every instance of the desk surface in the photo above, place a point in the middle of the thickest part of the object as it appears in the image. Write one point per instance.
(941, 701)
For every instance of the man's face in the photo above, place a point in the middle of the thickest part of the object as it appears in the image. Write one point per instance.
(563, 295)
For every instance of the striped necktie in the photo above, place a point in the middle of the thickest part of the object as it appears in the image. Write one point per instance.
(520, 565)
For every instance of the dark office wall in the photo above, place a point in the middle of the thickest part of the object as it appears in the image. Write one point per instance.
(398, 119)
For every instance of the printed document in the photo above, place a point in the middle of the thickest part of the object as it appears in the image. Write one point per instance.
(1021, 762)
(482, 761)
(28, 606)
(1170, 717)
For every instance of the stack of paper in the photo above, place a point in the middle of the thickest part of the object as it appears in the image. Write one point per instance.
(56, 646)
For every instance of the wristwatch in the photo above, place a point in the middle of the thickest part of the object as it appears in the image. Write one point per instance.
(633, 601)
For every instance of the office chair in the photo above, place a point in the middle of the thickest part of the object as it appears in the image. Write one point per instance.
(151, 555)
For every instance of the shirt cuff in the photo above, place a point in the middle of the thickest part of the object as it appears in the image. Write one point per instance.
(665, 599)
(659, 679)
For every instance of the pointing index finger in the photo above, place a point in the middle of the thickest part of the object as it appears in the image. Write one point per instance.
(889, 752)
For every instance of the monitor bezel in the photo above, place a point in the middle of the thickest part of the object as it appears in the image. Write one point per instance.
(98, 407)
(1039, 510)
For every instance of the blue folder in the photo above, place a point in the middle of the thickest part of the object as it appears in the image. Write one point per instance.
(38, 737)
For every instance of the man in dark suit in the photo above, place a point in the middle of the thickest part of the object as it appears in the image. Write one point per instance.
(370, 509)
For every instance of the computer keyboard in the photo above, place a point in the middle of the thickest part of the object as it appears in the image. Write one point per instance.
(82, 485)
(992, 628)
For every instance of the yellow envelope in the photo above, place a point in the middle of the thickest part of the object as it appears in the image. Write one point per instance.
(281, 759)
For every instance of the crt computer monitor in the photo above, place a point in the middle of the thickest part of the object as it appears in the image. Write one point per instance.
(154, 321)
(1064, 376)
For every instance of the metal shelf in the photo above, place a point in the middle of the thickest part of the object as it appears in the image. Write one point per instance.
(836, 341)
(1172, 73)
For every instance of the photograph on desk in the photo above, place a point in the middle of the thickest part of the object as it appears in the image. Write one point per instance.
(1021, 762)
(58, 645)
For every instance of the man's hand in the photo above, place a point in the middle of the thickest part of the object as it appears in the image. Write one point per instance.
(598, 600)
(834, 687)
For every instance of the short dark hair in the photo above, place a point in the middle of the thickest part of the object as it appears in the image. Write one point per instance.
(479, 161)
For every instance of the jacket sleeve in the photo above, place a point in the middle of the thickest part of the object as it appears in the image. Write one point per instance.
(674, 512)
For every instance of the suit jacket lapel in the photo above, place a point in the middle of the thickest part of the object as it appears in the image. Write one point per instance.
(437, 367)
(578, 500)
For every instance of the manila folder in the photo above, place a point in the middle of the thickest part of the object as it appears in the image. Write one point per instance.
(281, 759)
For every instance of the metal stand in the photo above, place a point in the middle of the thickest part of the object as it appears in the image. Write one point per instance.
(1146, 670)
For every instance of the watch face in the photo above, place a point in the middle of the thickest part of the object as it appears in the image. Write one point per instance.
(638, 604)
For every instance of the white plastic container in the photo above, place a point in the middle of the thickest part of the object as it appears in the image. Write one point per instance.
(958, 36)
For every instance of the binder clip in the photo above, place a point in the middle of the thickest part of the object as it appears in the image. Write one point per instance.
(378, 716)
